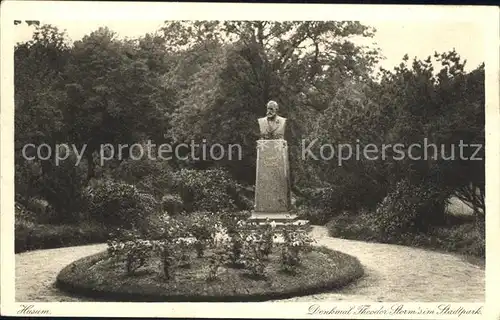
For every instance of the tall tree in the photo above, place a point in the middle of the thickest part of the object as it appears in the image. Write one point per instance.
(243, 64)
(412, 104)
(38, 69)
(112, 95)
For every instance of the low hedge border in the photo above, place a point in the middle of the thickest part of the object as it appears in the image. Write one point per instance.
(459, 239)
(70, 280)
(32, 236)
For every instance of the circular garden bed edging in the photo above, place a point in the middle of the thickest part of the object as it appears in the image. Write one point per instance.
(323, 269)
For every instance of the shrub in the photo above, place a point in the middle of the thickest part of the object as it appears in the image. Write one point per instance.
(206, 190)
(295, 241)
(235, 249)
(173, 253)
(360, 226)
(233, 224)
(130, 249)
(202, 226)
(33, 236)
(156, 184)
(62, 186)
(173, 244)
(243, 196)
(217, 259)
(315, 197)
(150, 176)
(349, 192)
(170, 242)
(27, 172)
(232, 220)
(252, 258)
(266, 236)
(120, 205)
(409, 208)
(477, 246)
(464, 238)
(257, 246)
(314, 215)
(172, 204)
(467, 238)
(22, 213)
(168, 255)
(35, 210)
(172, 228)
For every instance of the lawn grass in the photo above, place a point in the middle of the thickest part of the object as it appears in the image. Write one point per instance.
(96, 276)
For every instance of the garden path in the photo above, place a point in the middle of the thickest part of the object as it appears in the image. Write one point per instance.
(392, 273)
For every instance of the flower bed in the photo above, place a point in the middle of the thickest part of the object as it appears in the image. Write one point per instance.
(197, 260)
(322, 270)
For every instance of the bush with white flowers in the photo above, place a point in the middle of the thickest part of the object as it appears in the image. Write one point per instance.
(296, 241)
(232, 242)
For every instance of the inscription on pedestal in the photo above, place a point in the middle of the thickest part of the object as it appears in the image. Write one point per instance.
(272, 193)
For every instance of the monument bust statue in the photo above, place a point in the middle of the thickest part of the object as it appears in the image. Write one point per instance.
(272, 185)
(272, 126)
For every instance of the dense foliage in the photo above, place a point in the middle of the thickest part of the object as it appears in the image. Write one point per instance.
(209, 81)
(120, 205)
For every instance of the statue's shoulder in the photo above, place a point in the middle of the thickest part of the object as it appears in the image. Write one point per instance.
(281, 118)
(262, 120)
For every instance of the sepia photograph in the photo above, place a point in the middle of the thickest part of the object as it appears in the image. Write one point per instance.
(336, 162)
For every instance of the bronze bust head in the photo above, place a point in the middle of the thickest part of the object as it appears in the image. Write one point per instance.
(272, 126)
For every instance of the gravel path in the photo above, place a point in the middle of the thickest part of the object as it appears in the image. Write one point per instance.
(392, 273)
(36, 272)
(397, 273)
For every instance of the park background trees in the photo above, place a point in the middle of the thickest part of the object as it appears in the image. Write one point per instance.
(194, 80)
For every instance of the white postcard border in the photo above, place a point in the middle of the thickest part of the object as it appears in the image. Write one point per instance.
(35, 10)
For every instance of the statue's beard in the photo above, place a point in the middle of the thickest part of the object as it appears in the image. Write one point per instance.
(271, 115)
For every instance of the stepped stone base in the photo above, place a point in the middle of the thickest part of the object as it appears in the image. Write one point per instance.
(280, 219)
(273, 216)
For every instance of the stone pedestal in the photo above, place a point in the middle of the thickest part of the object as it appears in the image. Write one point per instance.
(272, 186)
